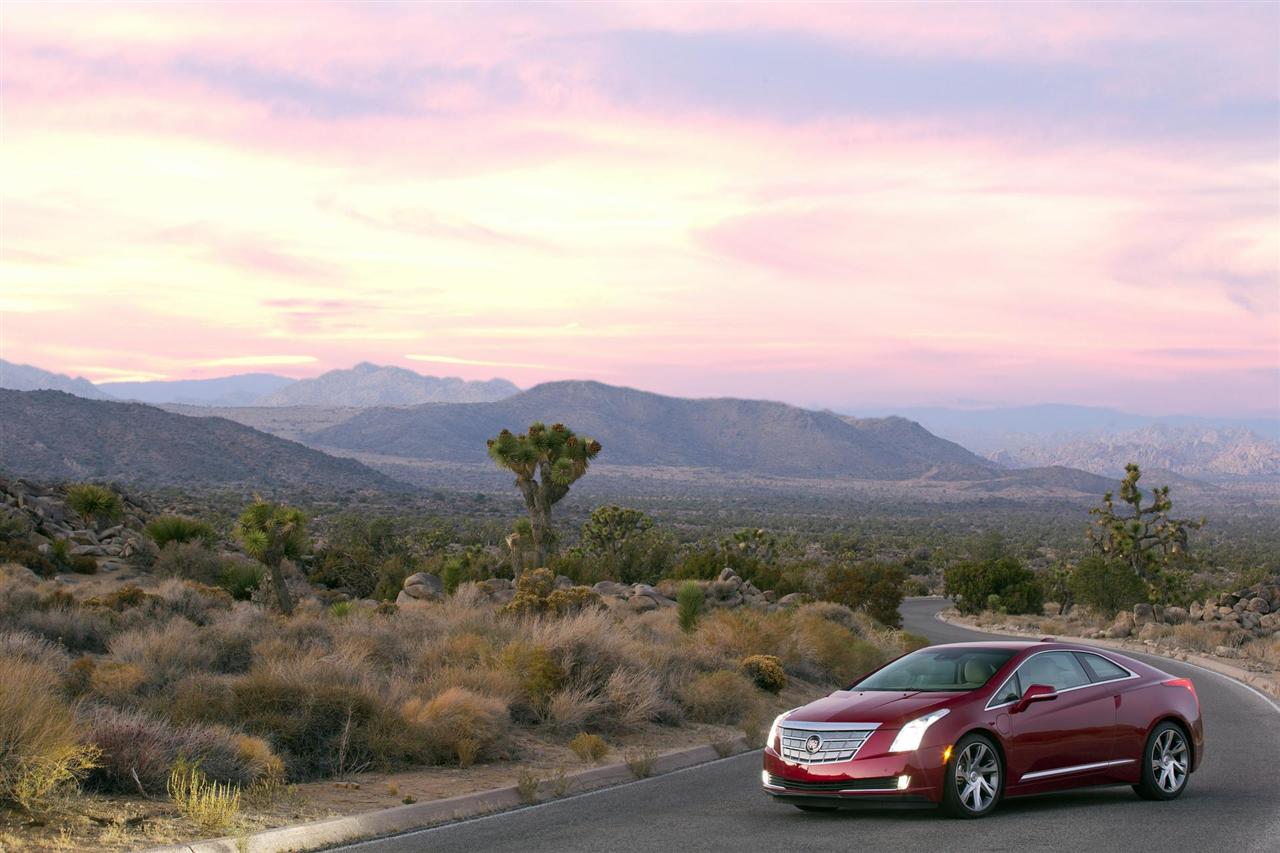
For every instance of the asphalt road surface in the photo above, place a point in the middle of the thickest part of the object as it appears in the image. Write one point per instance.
(1232, 803)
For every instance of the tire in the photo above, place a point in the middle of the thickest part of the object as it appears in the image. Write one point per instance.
(1166, 763)
(805, 807)
(973, 780)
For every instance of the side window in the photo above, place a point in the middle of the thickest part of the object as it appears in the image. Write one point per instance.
(1059, 670)
(1010, 691)
(1102, 669)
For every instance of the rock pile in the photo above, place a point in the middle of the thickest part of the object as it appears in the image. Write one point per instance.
(41, 515)
(1255, 610)
(727, 591)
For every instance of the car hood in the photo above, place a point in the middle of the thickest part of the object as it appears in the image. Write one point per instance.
(889, 709)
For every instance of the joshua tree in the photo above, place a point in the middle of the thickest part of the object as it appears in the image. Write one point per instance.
(546, 462)
(273, 533)
(1147, 540)
(610, 528)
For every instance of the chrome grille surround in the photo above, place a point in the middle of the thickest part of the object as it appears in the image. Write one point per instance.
(834, 741)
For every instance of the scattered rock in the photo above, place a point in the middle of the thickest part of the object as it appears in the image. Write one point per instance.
(422, 586)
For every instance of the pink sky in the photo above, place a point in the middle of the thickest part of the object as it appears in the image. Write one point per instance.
(831, 205)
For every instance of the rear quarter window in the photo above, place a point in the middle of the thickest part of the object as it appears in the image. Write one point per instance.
(1102, 669)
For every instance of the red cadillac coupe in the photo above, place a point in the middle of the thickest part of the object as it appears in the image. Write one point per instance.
(968, 724)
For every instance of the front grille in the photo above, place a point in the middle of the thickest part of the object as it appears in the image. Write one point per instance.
(882, 783)
(830, 746)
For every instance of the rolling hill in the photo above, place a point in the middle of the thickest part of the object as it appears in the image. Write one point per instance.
(24, 377)
(242, 389)
(374, 385)
(53, 435)
(640, 428)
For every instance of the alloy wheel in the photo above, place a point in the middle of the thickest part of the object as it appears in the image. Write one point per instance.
(1169, 760)
(977, 776)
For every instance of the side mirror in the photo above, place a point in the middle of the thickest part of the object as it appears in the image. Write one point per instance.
(1034, 693)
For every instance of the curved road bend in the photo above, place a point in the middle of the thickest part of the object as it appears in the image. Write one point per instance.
(1232, 804)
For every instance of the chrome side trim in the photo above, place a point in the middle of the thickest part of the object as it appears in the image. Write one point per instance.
(1000, 689)
(828, 727)
(1079, 768)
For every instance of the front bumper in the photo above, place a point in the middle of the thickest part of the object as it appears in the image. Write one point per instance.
(871, 779)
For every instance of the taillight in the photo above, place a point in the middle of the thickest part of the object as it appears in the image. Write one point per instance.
(1184, 682)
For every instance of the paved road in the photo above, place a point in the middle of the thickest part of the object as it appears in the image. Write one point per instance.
(1232, 804)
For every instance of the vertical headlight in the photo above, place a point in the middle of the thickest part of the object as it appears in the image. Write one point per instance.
(773, 729)
(912, 733)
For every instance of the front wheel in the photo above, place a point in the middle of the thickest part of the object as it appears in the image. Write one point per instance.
(1166, 764)
(974, 778)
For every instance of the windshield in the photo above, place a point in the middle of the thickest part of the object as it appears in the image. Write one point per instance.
(938, 670)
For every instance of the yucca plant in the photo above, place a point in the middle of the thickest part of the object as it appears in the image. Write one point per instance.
(95, 503)
(179, 528)
(546, 463)
(273, 533)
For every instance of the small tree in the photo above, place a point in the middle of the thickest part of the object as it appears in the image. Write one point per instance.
(95, 503)
(873, 587)
(1003, 583)
(1146, 539)
(1106, 586)
(609, 529)
(273, 533)
(546, 463)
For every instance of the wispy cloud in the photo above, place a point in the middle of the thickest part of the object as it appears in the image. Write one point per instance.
(258, 360)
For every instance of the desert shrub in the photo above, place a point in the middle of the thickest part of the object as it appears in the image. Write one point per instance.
(119, 600)
(116, 682)
(194, 601)
(358, 550)
(166, 529)
(765, 671)
(74, 629)
(40, 748)
(197, 698)
(640, 762)
(319, 725)
(874, 587)
(536, 672)
(830, 652)
(689, 604)
(1107, 586)
(240, 578)
(460, 726)
(135, 744)
(211, 806)
(96, 503)
(25, 555)
(527, 784)
(190, 561)
(723, 696)
(589, 747)
(391, 574)
(911, 642)
(574, 708)
(973, 583)
(636, 698)
(734, 634)
(572, 600)
(32, 648)
(164, 653)
(532, 589)
(65, 561)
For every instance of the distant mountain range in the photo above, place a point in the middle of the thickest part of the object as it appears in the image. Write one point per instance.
(1200, 452)
(363, 385)
(371, 385)
(740, 437)
(52, 435)
(1104, 440)
(24, 377)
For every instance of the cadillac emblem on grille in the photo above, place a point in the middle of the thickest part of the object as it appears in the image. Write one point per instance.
(813, 744)
(806, 743)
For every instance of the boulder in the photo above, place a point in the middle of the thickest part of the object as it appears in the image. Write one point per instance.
(642, 603)
(1196, 612)
(729, 575)
(563, 582)
(611, 588)
(794, 599)
(1122, 626)
(422, 586)
(1149, 633)
(1142, 614)
(1258, 604)
(1176, 615)
(88, 551)
(1250, 620)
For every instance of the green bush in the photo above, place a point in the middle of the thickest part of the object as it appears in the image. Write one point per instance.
(689, 603)
(95, 503)
(575, 599)
(190, 561)
(1106, 586)
(240, 578)
(766, 672)
(62, 558)
(973, 583)
(25, 555)
(873, 587)
(179, 528)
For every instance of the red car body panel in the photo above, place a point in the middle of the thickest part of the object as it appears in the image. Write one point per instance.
(1088, 735)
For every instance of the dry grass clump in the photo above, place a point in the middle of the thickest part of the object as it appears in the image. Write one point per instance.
(459, 725)
(640, 762)
(138, 751)
(32, 648)
(41, 752)
(211, 806)
(1266, 650)
(575, 708)
(588, 747)
(724, 696)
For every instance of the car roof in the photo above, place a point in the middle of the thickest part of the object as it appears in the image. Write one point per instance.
(1018, 645)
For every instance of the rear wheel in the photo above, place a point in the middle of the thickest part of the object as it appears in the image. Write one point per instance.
(974, 778)
(1166, 763)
